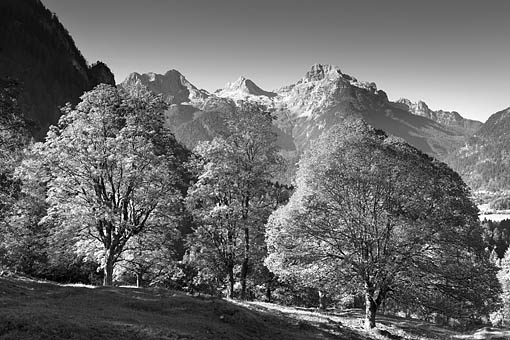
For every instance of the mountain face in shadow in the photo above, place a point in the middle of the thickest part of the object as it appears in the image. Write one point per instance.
(484, 159)
(37, 51)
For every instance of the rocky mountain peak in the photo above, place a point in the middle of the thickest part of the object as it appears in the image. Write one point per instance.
(322, 71)
(421, 105)
(420, 108)
(328, 75)
(172, 85)
(242, 88)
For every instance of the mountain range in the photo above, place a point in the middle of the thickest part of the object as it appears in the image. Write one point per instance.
(37, 51)
(321, 98)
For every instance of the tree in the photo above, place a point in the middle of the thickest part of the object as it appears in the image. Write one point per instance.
(14, 136)
(113, 171)
(231, 199)
(373, 213)
(151, 257)
(502, 316)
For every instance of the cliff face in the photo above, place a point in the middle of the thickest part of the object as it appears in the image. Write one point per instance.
(38, 52)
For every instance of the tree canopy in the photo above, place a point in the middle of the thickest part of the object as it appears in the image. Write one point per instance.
(373, 214)
(231, 198)
(113, 171)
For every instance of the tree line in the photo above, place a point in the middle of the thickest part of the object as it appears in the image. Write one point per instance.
(111, 195)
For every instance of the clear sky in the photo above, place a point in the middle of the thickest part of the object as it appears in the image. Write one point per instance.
(453, 54)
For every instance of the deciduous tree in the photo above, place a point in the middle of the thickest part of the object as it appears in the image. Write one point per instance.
(112, 170)
(374, 213)
(231, 198)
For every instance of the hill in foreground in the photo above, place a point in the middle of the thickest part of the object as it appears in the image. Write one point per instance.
(43, 310)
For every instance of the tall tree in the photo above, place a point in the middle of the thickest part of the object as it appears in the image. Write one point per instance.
(14, 136)
(230, 199)
(372, 212)
(113, 171)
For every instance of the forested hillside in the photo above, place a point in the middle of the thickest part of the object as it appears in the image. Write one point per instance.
(37, 51)
(484, 160)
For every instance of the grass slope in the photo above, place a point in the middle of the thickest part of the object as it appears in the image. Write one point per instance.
(43, 310)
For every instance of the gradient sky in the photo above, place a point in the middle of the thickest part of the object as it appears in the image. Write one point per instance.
(453, 54)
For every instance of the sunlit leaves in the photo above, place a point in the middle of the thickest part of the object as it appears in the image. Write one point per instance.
(112, 170)
(373, 212)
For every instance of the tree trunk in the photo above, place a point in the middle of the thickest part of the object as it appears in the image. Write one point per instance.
(246, 263)
(231, 282)
(108, 270)
(370, 310)
(268, 290)
(322, 299)
(139, 280)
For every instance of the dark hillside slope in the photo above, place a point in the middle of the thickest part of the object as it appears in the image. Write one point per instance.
(484, 160)
(43, 310)
(37, 51)
(34, 310)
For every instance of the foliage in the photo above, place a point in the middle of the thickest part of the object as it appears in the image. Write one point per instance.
(501, 317)
(13, 137)
(233, 196)
(502, 203)
(372, 213)
(496, 236)
(483, 160)
(112, 170)
(150, 257)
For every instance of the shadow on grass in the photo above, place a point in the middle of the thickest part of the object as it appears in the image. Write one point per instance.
(35, 310)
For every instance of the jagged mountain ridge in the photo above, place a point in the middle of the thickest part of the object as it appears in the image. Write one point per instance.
(451, 119)
(37, 51)
(325, 95)
(322, 98)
